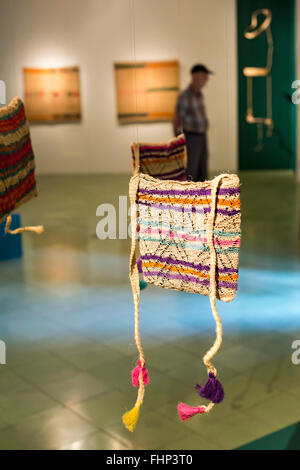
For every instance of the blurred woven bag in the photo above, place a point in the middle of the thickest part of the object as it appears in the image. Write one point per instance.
(161, 160)
(17, 165)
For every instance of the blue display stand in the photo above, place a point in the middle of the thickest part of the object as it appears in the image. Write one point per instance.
(10, 245)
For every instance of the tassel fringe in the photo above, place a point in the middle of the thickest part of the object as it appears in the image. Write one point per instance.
(212, 390)
(143, 284)
(185, 411)
(136, 372)
(131, 417)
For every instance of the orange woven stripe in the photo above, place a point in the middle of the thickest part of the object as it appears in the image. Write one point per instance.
(16, 193)
(221, 277)
(11, 147)
(7, 173)
(193, 202)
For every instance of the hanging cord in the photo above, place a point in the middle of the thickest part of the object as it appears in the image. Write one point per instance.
(213, 283)
(213, 389)
(139, 373)
(37, 229)
(136, 150)
(132, 12)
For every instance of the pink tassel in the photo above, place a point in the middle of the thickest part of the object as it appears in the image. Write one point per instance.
(135, 375)
(186, 411)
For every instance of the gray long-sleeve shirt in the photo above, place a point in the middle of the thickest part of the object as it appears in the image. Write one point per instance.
(190, 109)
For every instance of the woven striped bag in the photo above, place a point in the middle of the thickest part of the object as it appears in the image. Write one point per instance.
(17, 167)
(188, 235)
(161, 160)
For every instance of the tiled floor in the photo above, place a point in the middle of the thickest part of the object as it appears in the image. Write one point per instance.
(286, 439)
(67, 320)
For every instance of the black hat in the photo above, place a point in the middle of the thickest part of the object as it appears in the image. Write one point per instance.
(200, 68)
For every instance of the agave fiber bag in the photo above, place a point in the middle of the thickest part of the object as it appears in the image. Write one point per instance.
(165, 161)
(17, 165)
(188, 235)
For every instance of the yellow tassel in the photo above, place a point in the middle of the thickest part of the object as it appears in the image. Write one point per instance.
(131, 417)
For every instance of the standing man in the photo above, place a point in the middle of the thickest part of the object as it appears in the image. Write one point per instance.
(190, 118)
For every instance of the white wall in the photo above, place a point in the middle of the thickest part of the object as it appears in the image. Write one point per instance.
(95, 33)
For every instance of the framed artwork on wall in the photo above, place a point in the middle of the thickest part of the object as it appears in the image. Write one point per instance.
(52, 95)
(146, 91)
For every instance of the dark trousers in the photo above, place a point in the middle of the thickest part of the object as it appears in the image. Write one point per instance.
(197, 156)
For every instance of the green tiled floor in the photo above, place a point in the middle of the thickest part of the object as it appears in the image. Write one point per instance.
(285, 439)
(67, 320)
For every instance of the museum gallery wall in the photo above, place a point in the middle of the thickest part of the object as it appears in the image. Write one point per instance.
(95, 39)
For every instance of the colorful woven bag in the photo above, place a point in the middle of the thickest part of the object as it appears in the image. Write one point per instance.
(188, 235)
(165, 161)
(17, 178)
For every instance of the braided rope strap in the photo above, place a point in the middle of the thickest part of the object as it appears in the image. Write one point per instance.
(131, 417)
(37, 228)
(213, 389)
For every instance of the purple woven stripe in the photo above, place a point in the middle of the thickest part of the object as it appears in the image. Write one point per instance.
(182, 277)
(204, 210)
(228, 285)
(163, 147)
(201, 267)
(166, 155)
(227, 212)
(185, 278)
(177, 172)
(228, 191)
(189, 192)
(175, 192)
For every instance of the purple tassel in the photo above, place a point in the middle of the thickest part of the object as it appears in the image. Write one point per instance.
(139, 265)
(212, 390)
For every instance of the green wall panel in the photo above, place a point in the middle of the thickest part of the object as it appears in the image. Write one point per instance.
(279, 150)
